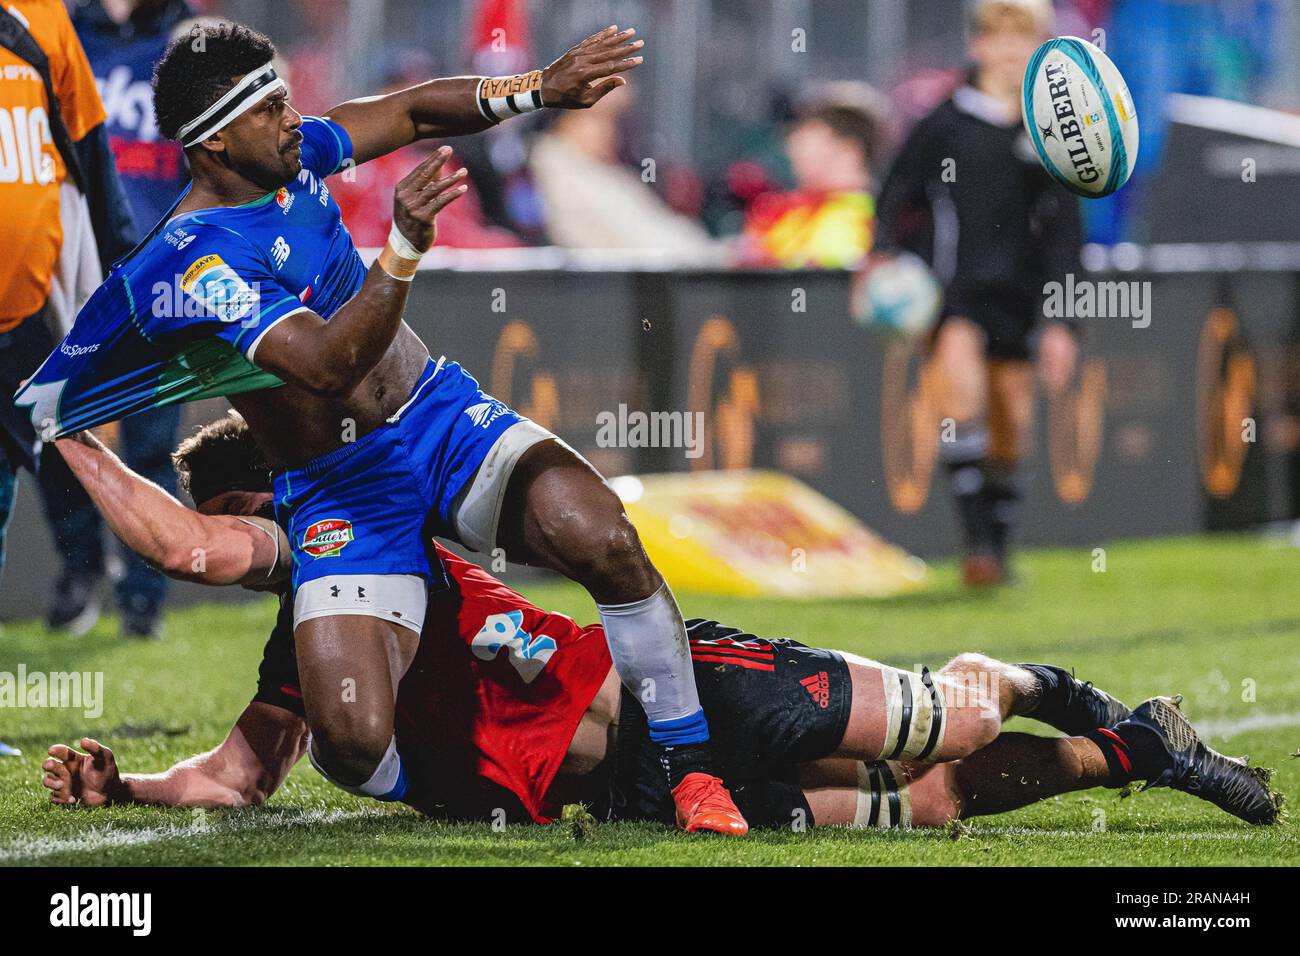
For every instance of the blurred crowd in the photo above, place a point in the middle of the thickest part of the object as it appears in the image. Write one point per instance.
(796, 187)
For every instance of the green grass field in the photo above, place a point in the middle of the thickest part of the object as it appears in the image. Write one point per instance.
(1216, 619)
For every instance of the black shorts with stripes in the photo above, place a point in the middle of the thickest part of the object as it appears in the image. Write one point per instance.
(771, 704)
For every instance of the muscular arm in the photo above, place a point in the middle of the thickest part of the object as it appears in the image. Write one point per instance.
(449, 107)
(243, 770)
(168, 535)
(332, 358)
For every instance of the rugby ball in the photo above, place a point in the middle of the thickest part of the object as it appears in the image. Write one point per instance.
(1080, 117)
(897, 294)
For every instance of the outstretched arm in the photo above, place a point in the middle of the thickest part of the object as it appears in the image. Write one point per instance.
(451, 107)
(183, 544)
(244, 769)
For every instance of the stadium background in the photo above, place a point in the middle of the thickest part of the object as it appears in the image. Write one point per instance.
(1140, 447)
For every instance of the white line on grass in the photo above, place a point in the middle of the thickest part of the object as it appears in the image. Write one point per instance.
(1236, 836)
(102, 838)
(1237, 725)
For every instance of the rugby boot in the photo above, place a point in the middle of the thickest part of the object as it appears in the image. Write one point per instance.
(704, 805)
(1166, 752)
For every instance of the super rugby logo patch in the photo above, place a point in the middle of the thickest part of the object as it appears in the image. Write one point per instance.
(219, 289)
(327, 538)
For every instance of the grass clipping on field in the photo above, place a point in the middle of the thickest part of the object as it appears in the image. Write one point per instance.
(582, 825)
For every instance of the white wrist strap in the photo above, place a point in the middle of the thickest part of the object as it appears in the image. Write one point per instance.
(401, 246)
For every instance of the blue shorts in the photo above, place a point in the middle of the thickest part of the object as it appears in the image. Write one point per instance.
(370, 506)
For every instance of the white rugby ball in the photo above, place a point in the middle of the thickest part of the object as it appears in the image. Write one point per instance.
(897, 294)
(1080, 116)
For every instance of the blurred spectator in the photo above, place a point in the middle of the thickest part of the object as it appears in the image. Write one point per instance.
(64, 212)
(123, 40)
(366, 196)
(591, 199)
(827, 221)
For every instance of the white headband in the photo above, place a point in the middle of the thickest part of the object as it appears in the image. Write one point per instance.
(253, 88)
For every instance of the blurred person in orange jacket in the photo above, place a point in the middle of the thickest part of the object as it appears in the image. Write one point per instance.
(64, 211)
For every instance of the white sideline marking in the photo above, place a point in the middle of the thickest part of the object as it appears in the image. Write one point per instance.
(1238, 725)
(1242, 836)
(101, 838)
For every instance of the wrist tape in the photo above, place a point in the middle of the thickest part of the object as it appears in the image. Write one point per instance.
(502, 97)
(399, 258)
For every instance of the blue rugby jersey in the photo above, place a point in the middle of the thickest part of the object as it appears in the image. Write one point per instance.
(180, 318)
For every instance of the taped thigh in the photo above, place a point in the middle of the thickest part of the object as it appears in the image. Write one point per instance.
(914, 715)
(884, 797)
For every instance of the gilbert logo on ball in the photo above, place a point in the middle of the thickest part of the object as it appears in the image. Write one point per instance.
(325, 539)
(1080, 116)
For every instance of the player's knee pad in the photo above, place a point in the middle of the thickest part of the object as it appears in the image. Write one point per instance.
(915, 715)
(884, 797)
(396, 598)
(476, 513)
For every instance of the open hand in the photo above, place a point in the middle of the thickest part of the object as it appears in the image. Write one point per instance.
(584, 75)
(421, 195)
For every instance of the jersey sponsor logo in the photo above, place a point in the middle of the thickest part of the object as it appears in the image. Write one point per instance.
(280, 251)
(219, 289)
(74, 351)
(819, 687)
(179, 238)
(325, 539)
(485, 413)
(527, 653)
(284, 199)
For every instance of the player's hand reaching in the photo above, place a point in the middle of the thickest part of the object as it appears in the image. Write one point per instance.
(583, 76)
(422, 194)
(89, 778)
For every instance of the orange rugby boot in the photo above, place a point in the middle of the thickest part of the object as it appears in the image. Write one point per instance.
(703, 804)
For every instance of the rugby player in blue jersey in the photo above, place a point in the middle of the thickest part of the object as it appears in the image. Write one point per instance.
(251, 288)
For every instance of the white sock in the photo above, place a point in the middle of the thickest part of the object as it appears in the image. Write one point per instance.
(388, 782)
(647, 641)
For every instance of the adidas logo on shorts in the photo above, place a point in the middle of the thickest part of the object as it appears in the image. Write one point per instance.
(819, 686)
